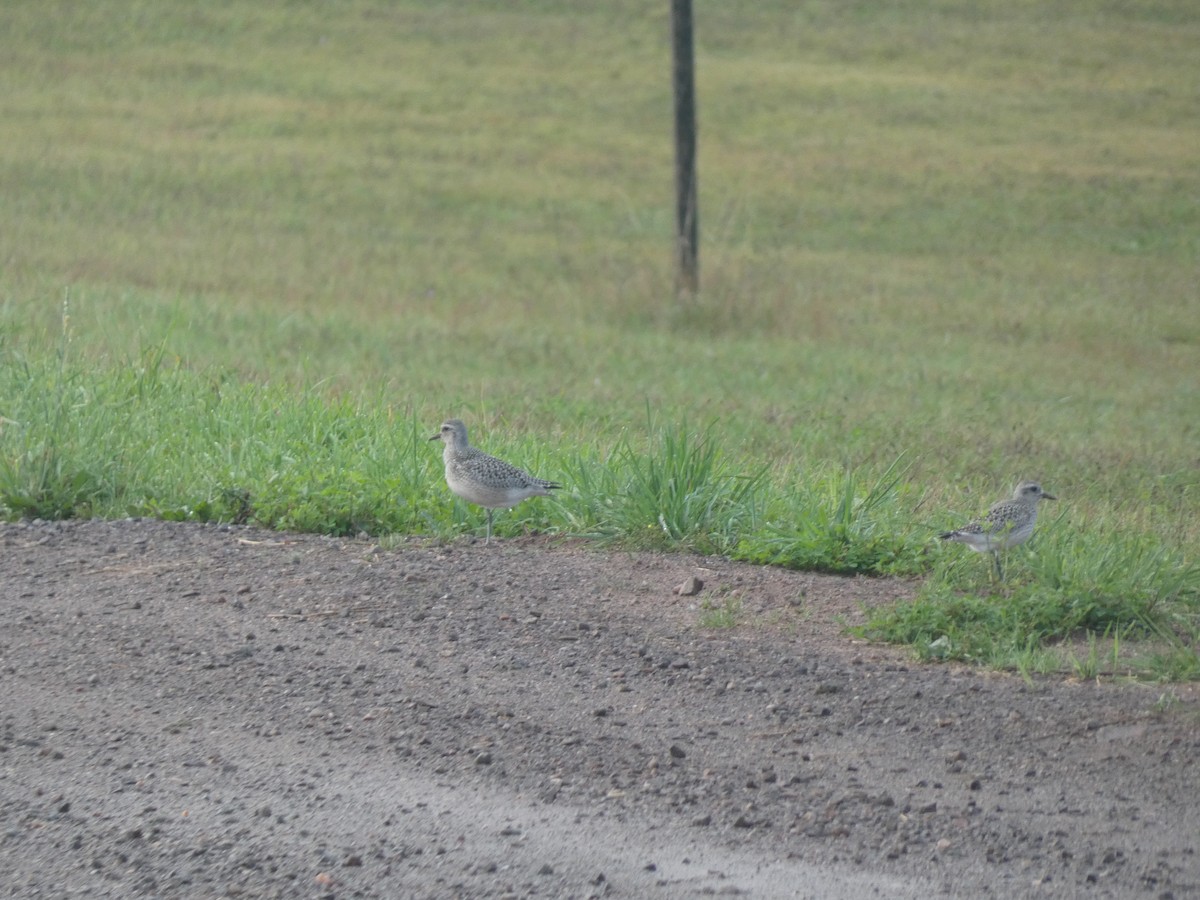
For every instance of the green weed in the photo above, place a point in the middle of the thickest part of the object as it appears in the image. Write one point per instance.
(830, 525)
(683, 492)
(723, 613)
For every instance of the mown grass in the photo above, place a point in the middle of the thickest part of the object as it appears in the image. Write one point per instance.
(944, 247)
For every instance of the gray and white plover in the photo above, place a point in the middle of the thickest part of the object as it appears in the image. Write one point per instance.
(1007, 524)
(482, 479)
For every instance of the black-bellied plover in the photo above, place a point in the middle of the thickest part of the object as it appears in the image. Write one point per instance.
(1007, 524)
(482, 479)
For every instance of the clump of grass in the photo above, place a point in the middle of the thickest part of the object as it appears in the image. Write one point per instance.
(1176, 661)
(681, 492)
(1095, 661)
(1067, 585)
(720, 613)
(832, 524)
(56, 462)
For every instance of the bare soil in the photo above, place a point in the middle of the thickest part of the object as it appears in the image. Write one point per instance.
(203, 711)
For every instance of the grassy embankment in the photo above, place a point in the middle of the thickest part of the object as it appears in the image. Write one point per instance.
(943, 249)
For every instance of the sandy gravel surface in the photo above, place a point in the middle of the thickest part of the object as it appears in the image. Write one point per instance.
(193, 711)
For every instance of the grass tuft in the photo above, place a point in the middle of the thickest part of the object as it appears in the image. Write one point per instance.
(831, 525)
(725, 612)
(1067, 584)
(680, 492)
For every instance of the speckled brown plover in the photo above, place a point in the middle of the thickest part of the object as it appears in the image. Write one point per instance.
(482, 479)
(1007, 524)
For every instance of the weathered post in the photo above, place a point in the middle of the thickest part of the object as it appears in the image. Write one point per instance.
(686, 214)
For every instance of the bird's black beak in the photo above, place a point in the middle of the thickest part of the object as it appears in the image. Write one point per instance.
(436, 436)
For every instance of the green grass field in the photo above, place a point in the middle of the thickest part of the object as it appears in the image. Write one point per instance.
(252, 254)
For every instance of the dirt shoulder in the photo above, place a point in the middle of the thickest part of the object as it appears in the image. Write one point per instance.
(220, 712)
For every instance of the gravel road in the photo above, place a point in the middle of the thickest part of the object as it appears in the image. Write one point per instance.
(215, 711)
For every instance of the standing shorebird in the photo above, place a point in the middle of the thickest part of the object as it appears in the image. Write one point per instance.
(1007, 524)
(484, 480)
